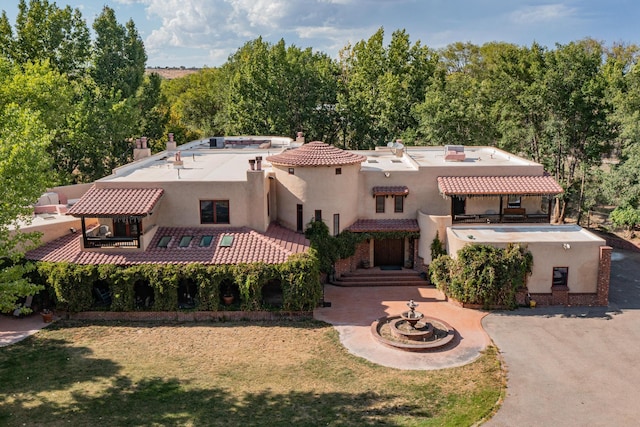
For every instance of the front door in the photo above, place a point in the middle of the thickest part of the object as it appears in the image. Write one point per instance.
(389, 252)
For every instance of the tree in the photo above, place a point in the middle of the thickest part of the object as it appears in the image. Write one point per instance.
(578, 126)
(23, 147)
(43, 31)
(119, 57)
(380, 86)
(275, 89)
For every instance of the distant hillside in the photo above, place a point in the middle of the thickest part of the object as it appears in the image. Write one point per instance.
(171, 73)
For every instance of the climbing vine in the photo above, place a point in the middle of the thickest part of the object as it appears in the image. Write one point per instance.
(483, 274)
(72, 285)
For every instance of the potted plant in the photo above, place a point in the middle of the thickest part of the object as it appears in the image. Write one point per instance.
(47, 315)
(227, 295)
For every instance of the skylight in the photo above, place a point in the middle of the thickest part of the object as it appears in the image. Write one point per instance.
(226, 241)
(164, 241)
(184, 241)
(205, 241)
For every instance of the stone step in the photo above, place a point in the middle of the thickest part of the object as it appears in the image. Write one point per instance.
(376, 277)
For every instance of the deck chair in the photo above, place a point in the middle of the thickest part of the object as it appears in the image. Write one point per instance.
(27, 304)
(103, 295)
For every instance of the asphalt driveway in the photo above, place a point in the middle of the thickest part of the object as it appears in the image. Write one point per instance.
(574, 366)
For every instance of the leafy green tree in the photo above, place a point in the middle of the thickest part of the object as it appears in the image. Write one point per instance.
(380, 86)
(275, 89)
(119, 57)
(43, 31)
(196, 102)
(578, 127)
(23, 147)
(627, 217)
(153, 114)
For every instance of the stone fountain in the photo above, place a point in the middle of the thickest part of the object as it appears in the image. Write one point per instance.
(411, 330)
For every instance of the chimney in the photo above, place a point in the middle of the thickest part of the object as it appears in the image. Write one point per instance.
(141, 151)
(178, 163)
(252, 164)
(259, 163)
(399, 147)
(300, 137)
(171, 144)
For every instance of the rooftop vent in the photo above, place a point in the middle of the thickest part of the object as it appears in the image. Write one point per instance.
(454, 153)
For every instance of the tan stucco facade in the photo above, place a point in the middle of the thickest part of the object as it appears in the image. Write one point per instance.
(550, 245)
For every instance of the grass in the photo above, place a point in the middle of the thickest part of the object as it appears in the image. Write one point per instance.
(271, 374)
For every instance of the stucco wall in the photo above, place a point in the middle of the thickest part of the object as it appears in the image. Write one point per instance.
(317, 188)
(429, 226)
(582, 259)
(180, 203)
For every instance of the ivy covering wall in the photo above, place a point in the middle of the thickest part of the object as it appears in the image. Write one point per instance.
(483, 274)
(72, 286)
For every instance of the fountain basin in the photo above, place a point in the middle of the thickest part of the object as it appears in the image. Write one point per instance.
(426, 335)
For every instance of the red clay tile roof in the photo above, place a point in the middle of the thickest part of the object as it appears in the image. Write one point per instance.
(316, 153)
(397, 190)
(498, 185)
(371, 225)
(109, 202)
(273, 247)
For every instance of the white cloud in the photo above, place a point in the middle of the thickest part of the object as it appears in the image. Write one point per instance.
(221, 26)
(543, 13)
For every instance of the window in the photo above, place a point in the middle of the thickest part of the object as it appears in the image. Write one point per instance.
(214, 211)
(226, 241)
(268, 207)
(398, 205)
(380, 204)
(299, 219)
(336, 224)
(205, 241)
(514, 202)
(318, 215)
(338, 171)
(560, 276)
(185, 241)
(291, 171)
(164, 241)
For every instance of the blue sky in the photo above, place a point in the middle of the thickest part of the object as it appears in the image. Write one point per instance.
(195, 33)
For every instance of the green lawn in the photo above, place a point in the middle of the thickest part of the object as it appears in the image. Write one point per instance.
(253, 374)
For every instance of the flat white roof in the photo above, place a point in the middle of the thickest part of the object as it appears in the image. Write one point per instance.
(523, 233)
(202, 163)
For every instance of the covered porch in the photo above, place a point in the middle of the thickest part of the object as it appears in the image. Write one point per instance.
(499, 199)
(121, 213)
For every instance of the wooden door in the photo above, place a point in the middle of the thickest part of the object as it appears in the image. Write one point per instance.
(389, 252)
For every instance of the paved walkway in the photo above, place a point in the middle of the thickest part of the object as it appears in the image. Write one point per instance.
(14, 329)
(353, 309)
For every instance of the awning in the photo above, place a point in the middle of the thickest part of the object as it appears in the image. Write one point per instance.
(397, 190)
(498, 185)
(384, 225)
(117, 202)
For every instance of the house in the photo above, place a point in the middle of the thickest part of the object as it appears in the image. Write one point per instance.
(227, 200)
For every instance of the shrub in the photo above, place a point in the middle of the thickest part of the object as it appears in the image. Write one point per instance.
(483, 274)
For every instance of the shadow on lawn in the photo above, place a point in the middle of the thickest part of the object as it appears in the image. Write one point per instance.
(168, 402)
(37, 374)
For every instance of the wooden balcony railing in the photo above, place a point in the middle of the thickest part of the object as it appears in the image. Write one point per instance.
(111, 242)
(501, 219)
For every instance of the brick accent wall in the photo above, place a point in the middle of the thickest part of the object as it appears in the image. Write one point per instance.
(350, 264)
(190, 316)
(604, 275)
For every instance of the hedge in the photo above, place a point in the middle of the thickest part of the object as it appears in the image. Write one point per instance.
(72, 285)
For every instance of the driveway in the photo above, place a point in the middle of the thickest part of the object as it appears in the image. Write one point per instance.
(574, 366)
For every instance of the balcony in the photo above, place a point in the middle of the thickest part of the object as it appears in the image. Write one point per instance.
(536, 218)
(111, 242)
